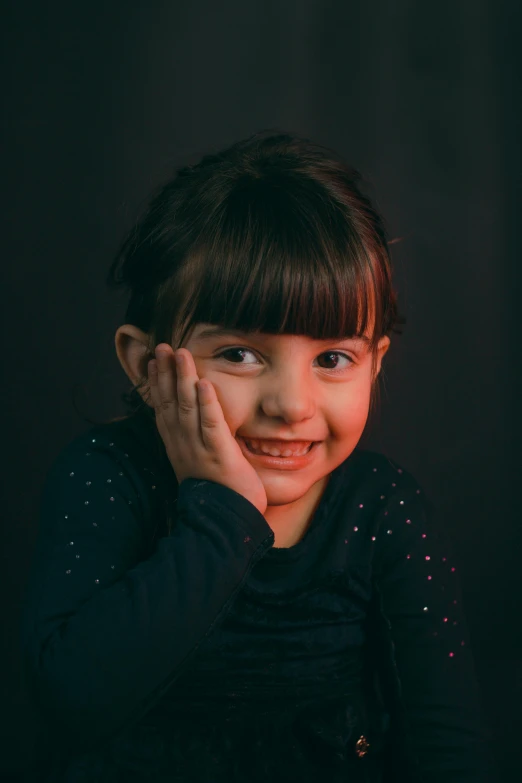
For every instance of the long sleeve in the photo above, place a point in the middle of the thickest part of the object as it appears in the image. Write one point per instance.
(417, 578)
(104, 631)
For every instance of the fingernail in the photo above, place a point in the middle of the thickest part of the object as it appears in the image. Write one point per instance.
(179, 359)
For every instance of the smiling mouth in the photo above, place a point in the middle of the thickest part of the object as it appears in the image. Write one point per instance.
(280, 453)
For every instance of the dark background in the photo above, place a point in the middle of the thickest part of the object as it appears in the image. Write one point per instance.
(103, 100)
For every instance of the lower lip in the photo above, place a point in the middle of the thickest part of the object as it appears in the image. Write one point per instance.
(281, 463)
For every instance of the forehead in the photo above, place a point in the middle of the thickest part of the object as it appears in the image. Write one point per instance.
(203, 331)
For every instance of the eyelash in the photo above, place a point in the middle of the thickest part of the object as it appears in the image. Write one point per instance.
(242, 348)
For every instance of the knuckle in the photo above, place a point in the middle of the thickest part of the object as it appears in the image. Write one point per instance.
(211, 424)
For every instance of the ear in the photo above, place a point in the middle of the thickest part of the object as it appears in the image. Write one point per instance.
(132, 349)
(384, 344)
(382, 347)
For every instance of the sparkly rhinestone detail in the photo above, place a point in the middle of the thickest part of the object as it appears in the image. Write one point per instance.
(382, 534)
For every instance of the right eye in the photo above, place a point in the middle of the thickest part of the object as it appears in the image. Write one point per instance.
(234, 351)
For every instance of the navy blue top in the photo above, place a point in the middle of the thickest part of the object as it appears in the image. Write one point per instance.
(157, 654)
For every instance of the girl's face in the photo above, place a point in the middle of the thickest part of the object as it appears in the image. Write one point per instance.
(290, 387)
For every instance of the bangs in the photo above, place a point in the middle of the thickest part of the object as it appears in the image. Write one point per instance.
(281, 261)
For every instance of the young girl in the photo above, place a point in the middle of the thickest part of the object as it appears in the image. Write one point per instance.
(226, 587)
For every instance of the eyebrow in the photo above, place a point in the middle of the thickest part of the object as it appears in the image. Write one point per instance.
(220, 331)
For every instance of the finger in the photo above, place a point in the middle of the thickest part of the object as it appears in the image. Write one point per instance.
(166, 387)
(211, 415)
(152, 377)
(187, 377)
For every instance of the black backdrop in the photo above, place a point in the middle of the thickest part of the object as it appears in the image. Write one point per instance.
(102, 100)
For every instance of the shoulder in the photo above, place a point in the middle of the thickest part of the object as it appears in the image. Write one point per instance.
(401, 519)
(375, 470)
(120, 459)
(126, 442)
(119, 466)
(378, 489)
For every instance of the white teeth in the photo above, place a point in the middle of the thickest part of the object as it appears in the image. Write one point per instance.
(257, 447)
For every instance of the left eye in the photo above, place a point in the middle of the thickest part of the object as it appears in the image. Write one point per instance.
(327, 353)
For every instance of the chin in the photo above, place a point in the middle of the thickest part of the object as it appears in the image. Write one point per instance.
(285, 488)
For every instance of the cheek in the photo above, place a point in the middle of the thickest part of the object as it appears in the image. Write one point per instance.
(351, 412)
(234, 403)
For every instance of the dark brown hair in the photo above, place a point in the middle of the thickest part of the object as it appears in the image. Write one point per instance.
(272, 234)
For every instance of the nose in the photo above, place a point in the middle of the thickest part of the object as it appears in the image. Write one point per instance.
(288, 396)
